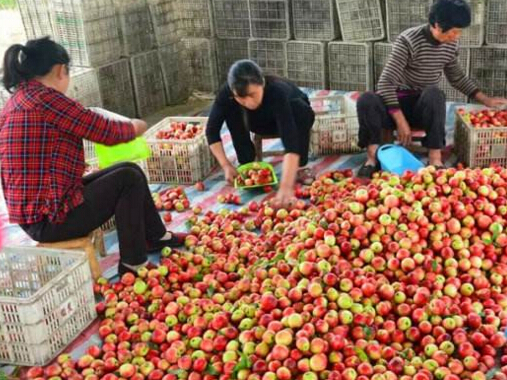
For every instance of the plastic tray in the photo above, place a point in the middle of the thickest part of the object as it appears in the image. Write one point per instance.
(396, 159)
(262, 165)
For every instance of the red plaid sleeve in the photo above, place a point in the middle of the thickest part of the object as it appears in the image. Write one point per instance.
(72, 117)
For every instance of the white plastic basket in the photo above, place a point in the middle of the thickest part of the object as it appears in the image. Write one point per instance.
(36, 18)
(361, 20)
(46, 301)
(231, 18)
(270, 19)
(178, 161)
(350, 66)
(84, 87)
(271, 56)
(306, 64)
(404, 14)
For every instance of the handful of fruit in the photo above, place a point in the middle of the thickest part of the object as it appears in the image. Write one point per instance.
(180, 131)
(170, 199)
(485, 118)
(255, 174)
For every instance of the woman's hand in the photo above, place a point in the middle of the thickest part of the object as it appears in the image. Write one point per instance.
(284, 198)
(230, 174)
(140, 126)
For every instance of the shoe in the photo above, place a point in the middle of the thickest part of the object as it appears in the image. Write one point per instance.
(305, 176)
(122, 269)
(177, 240)
(367, 171)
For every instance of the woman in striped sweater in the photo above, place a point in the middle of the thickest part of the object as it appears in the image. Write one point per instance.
(407, 93)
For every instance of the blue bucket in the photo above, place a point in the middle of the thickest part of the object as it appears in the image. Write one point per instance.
(396, 159)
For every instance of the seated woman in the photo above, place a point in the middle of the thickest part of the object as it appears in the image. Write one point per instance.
(42, 161)
(265, 105)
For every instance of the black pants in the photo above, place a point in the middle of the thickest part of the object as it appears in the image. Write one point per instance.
(425, 111)
(242, 142)
(121, 190)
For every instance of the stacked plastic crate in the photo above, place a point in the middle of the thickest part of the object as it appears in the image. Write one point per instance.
(496, 23)
(36, 18)
(270, 29)
(232, 28)
(350, 66)
(404, 14)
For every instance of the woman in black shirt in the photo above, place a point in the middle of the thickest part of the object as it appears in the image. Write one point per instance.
(264, 105)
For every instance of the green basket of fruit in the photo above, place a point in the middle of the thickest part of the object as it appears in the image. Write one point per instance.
(254, 175)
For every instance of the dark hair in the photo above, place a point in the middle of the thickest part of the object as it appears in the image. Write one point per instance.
(450, 14)
(35, 59)
(242, 74)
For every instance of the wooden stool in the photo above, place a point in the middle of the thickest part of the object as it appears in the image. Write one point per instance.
(91, 244)
(257, 140)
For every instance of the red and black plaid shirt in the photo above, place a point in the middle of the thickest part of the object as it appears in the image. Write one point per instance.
(41, 151)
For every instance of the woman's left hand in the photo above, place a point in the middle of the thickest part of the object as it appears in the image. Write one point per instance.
(284, 198)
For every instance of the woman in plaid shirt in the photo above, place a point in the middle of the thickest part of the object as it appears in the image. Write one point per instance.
(42, 161)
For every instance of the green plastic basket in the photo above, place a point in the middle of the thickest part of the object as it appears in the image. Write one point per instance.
(135, 150)
(262, 165)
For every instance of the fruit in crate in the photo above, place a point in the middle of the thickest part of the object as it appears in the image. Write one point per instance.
(171, 199)
(485, 118)
(180, 131)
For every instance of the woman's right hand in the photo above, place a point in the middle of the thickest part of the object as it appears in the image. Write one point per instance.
(140, 126)
(230, 174)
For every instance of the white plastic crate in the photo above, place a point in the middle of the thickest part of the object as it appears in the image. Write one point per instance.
(175, 71)
(488, 66)
(451, 94)
(164, 17)
(381, 52)
(231, 18)
(315, 20)
(148, 82)
(46, 301)
(360, 20)
(270, 19)
(200, 55)
(36, 18)
(306, 64)
(136, 28)
(84, 87)
(88, 30)
(195, 18)
(336, 127)
(178, 161)
(473, 36)
(271, 56)
(228, 52)
(116, 89)
(350, 66)
(496, 22)
(404, 14)
(479, 147)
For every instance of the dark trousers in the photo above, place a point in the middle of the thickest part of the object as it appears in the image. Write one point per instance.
(121, 190)
(240, 128)
(426, 111)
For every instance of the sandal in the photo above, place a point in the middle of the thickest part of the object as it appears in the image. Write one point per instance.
(305, 176)
(177, 240)
(367, 171)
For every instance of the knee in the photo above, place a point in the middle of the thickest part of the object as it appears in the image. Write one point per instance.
(434, 97)
(366, 101)
(132, 174)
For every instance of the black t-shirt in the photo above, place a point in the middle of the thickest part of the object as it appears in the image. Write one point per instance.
(273, 117)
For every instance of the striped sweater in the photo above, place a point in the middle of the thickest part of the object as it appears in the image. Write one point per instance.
(418, 61)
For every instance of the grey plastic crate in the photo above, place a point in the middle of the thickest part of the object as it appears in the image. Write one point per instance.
(148, 82)
(350, 66)
(315, 20)
(84, 87)
(116, 89)
(36, 18)
(136, 28)
(473, 36)
(306, 64)
(200, 55)
(88, 30)
(228, 52)
(404, 14)
(231, 18)
(270, 19)
(164, 18)
(175, 71)
(451, 94)
(361, 20)
(271, 56)
(195, 18)
(488, 66)
(496, 22)
(381, 51)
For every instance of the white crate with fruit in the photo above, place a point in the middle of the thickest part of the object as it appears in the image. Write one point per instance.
(480, 136)
(46, 301)
(180, 152)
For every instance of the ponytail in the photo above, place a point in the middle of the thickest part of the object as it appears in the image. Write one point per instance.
(35, 59)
